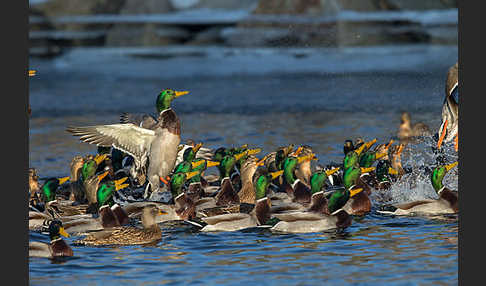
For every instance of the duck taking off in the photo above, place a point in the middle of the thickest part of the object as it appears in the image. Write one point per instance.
(156, 146)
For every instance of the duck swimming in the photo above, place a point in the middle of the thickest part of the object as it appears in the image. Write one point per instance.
(447, 203)
(128, 235)
(57, 246)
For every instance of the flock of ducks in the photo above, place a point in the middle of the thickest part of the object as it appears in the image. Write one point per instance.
(142, 176)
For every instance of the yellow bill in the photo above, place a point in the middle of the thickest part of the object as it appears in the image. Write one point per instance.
(298, 151)
(392, 171)
(354, 192)
(197, 163)
(63, 232)
(32, 72)
(197, 147)
(244, 146)
(212, 163)
(330, 172)
(360, 149)
(253, 151)
(450, 166)
(276, 174)
(367, 170)
(63, 180)
(370, 143)
(261, 162)
(306, 158)
(102, 175)
(99, 158)
(120, 181)
(389, 144)
(239, 156)
(122, 186)
(191, 174)
(380, 155)
(179, 93)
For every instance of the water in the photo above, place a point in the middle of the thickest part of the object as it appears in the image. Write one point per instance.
(265, 110)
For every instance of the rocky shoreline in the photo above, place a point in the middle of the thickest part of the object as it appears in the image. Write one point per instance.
(56, 25)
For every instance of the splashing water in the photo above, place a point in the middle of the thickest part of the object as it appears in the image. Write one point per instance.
(421, 159)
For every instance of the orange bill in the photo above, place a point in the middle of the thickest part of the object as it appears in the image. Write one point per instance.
(442, 134)
(164, 181)
(180, 93)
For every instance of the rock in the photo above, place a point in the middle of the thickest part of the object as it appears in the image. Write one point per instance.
(146, 7)
(417, 4)
(224, 4)
(145, 35)
(295, 7)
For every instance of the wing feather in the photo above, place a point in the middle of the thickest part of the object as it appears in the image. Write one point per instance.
(128, 138)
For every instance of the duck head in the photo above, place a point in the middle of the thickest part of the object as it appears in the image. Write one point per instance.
(438, 175)
(50, 186)
(449, 127)
(165, 97)
(318, 179)
(56, 230)
(262, 182)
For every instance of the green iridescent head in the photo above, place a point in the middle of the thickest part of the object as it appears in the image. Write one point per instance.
(350, 160)
(317, 181)
(50, 186)
(350, 176)
(105, 192)
(261, 185)
(438, 175)
(89, 169)
(183, 167)
(348, 146)
(177, 181)
(165, 97)
(226, 166)
(337, 199)
(219, 154)
(289, 165)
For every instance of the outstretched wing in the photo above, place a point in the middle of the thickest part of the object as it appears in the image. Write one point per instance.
(139, 119)
(125, 137)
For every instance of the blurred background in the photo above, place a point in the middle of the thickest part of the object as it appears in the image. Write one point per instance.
(266, 73)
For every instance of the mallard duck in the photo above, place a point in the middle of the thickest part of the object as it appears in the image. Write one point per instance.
(50, 187)
(303, 171)
(203, 153)
(447, 203)
(108, 217)
(323, 214)
(449, 128)
(56, 248)
(294, 187)
(359, 203)
(384, 171)
(408, 131)
(128, 235)
(157, 144)
(257, 215)
(83, 178)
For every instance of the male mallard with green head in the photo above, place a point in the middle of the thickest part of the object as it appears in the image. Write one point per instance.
(323, 214)
(56, 248)
(447, 203)
(258, 215)
(157, 146)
